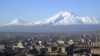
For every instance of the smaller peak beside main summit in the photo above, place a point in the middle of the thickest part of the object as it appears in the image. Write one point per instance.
(16, 22)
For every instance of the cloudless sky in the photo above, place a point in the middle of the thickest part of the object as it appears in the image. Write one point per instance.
(33, 10)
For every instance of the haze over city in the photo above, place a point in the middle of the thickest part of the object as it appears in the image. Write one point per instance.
(49, 27)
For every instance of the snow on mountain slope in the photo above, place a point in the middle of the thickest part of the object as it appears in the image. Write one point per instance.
(62, 18)
(16, 22)
(67, 18)
(61, 22)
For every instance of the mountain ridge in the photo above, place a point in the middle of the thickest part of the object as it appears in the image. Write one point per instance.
(61, 18)
(67, 18)
(61, 22)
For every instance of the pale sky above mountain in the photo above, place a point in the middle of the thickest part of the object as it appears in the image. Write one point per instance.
(33, 10)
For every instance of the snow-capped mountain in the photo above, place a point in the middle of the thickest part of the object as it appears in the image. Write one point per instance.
(62, 22)
(62, 18)
(16, 22)
(67, 18)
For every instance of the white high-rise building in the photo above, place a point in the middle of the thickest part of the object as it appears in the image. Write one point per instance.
(63, 49)
(49, 49)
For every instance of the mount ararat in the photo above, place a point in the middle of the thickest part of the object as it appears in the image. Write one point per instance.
(62, 22)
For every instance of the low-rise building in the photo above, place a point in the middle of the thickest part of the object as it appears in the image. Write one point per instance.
(95, 50)
(2, 46)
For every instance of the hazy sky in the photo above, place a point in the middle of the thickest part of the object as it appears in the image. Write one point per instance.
(32, 10)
